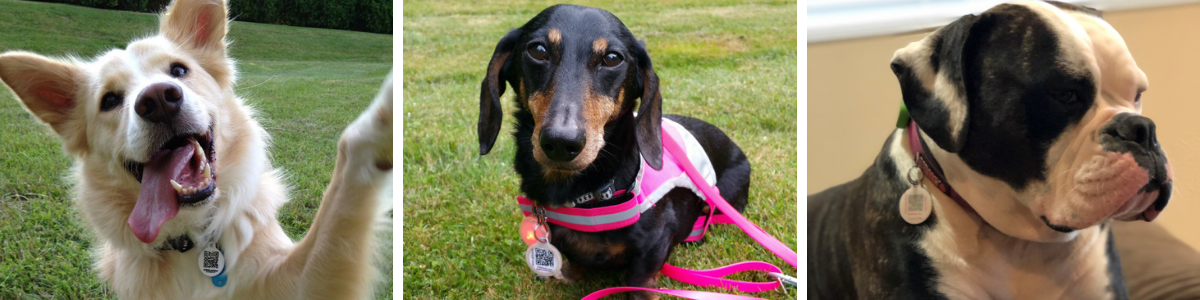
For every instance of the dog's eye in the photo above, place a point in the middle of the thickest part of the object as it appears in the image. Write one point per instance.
(1064, 96)
(109, 101)
(1137, 100)
(538, 52)
(612, 59)
(178, 70)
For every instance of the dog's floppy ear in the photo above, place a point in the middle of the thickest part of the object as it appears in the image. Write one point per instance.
(49, 90)
(930, 72)
(490, 114)
(649, 119)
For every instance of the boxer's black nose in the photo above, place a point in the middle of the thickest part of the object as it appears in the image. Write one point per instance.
(159, 102)
(562, 143)
(1134, 128)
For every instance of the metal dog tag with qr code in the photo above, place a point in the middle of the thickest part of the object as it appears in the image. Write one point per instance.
(915, 205)
(212, 261)
(544, 259)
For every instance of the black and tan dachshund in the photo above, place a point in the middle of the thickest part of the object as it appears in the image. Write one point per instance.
(577, 72)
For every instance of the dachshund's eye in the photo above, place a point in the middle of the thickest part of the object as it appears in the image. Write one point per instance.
(1064, 96)
(538, 52)
(178, 70)
(612, 59)
(109, 101)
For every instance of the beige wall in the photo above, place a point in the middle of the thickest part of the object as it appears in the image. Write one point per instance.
(853, 99)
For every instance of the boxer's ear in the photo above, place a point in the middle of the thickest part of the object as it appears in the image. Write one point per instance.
(930, 72)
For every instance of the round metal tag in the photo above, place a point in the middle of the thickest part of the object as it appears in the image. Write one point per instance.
(915, 205)
(212, 261)
(543, 259)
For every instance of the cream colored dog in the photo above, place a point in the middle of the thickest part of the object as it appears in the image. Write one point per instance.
(173, 176)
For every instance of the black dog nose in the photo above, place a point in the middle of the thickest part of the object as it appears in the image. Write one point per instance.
(1134, 128)
(159, 102)
(562, 143)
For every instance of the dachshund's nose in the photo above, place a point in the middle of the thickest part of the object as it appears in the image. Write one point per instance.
(159, 102)
(562, 143)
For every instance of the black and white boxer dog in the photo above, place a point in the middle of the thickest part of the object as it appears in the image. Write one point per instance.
(1028, 134)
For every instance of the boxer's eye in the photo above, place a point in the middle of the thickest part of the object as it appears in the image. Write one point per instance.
(1064, 96)
(1137, 100)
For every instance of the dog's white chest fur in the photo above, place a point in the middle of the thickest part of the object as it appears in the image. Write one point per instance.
(979, 262)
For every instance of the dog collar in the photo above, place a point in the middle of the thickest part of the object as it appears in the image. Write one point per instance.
(181, 243)
(930, 167)
(605, 192)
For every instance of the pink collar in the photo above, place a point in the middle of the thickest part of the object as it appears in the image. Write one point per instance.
(932, 169)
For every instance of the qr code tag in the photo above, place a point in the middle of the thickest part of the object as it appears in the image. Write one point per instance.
(915, 205)
(212, 261)
(543, 259)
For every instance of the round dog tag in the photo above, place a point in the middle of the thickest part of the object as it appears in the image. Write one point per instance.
(212, 261)
(915, 205)
(544, 259)
(530, 231)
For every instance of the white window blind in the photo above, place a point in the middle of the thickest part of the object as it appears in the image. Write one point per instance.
(830, 20)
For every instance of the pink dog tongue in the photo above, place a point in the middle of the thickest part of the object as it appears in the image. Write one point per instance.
(157, 202)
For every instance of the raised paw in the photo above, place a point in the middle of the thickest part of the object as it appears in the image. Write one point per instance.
(367, 142)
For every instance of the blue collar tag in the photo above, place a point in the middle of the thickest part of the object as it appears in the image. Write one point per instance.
(219, 280)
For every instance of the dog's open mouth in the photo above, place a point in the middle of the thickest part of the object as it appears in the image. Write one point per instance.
(180, 172)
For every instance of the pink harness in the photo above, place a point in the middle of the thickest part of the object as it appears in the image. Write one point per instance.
(684, 164)
(649, 187)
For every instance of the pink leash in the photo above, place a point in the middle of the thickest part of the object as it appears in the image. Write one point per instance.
(712, 277)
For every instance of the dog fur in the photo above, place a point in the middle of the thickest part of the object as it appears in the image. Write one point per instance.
(75, 98)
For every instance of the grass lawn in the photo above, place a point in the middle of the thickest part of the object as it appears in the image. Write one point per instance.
(307, 84)
(732, 63)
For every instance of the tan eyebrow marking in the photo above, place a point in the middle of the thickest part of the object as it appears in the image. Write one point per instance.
(599, 46)
(555, 36)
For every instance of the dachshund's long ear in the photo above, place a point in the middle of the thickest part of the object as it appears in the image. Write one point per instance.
(930, 72)
(490, 114)
(649, 119)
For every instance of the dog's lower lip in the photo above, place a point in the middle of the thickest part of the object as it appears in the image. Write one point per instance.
(1059, 228)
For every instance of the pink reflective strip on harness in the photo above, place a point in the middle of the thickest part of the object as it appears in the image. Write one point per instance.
(589, 219)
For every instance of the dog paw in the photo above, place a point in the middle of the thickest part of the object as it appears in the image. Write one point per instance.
(367, 142)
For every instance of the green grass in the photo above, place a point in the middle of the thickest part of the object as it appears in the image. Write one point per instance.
(732, 63)
(307, 84)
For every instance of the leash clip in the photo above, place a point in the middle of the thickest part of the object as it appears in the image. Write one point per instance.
(783, 278)
(540, 212)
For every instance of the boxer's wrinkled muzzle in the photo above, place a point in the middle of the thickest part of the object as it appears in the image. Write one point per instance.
(1135, 134)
